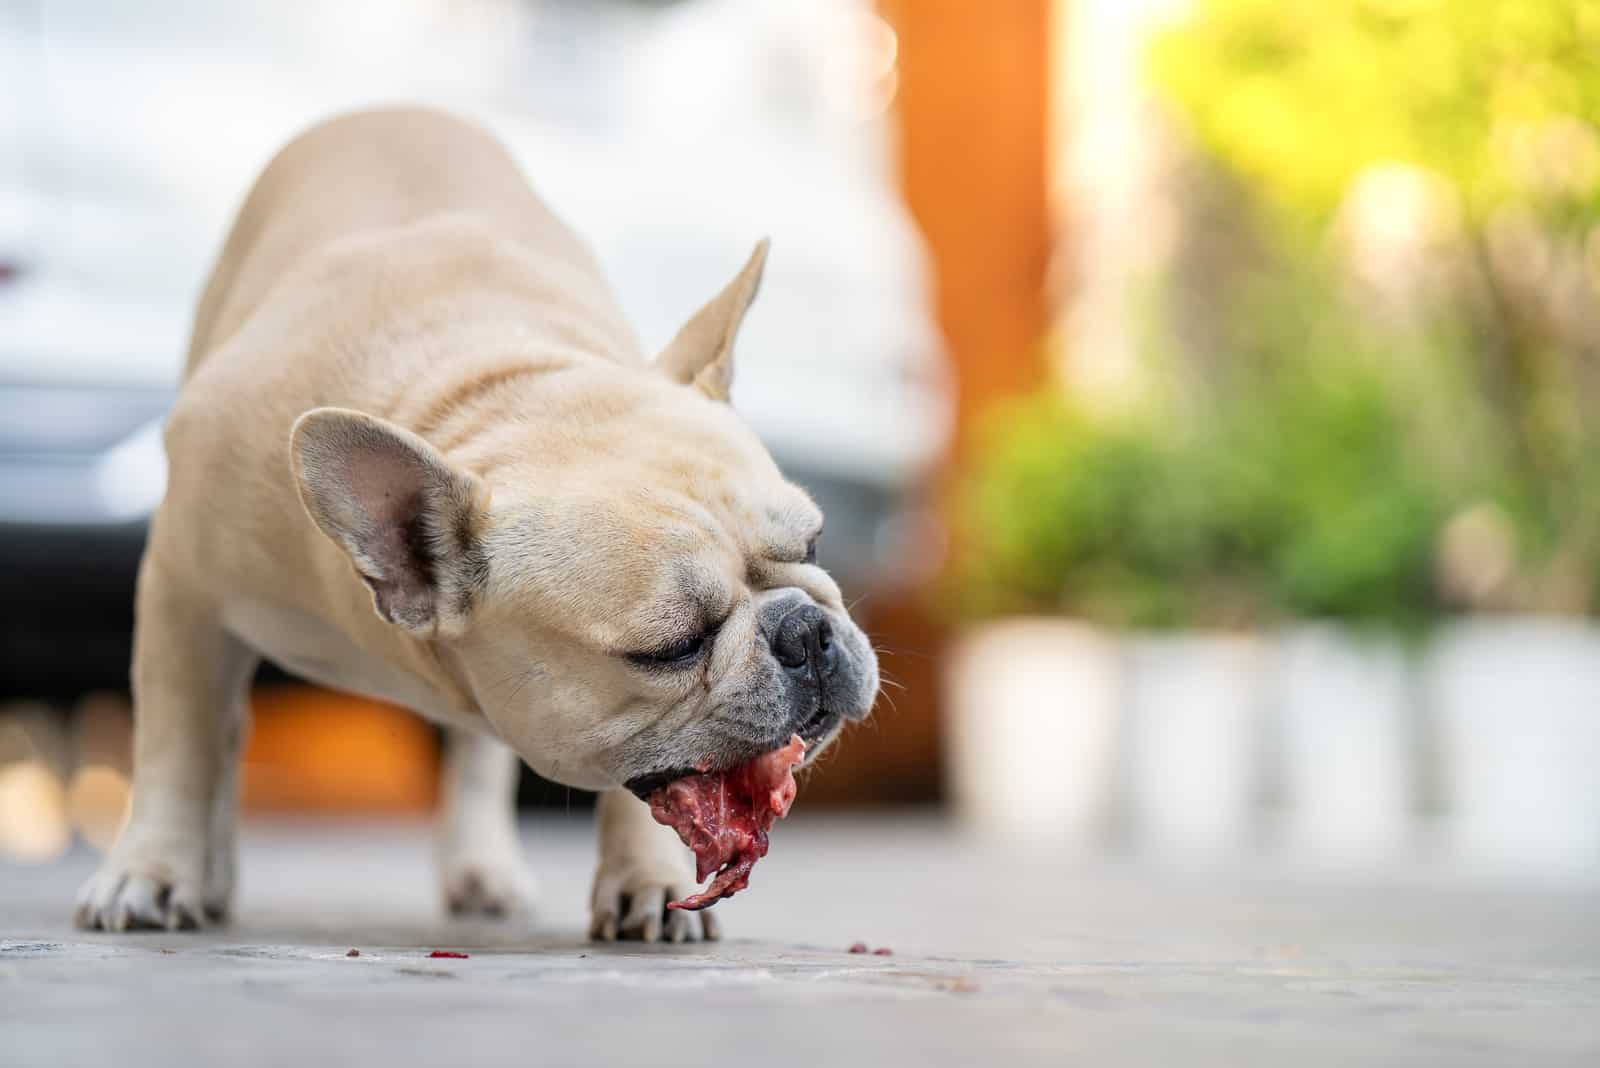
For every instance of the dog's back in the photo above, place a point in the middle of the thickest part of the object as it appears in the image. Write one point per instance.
(395, 262)
(362, 173)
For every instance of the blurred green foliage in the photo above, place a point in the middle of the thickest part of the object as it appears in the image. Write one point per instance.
(1101, 519)
(1495, 106)
(1297, 503)
(1383, 315)
(1302, 95)
(1353, 522)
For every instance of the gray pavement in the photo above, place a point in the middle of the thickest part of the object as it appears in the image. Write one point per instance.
(1000, 956)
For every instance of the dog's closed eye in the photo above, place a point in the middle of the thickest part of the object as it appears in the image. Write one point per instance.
(678, 654)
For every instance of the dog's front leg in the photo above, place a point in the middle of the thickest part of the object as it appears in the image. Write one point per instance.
(189, 677)
(222, 852)
(642, 867)
(481, 868)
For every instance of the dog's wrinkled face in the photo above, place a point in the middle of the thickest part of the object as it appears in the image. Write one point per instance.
(666, 612)
(631, 591)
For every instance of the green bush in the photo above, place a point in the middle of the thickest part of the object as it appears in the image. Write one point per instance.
(1354, 521)
(1299, 499)
(1323, 426)
(1061, 513)
(1496, 105)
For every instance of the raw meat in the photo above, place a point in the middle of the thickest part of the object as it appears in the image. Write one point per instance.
(724, 816)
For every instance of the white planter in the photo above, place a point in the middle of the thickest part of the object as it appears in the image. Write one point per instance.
(1193, 743)
(1516, 704)
(1345, 730)
(1032, 708)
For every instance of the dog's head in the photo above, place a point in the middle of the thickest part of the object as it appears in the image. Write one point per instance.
(630, 589)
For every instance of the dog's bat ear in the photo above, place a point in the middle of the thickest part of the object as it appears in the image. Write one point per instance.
(702, 352)
(406, 517)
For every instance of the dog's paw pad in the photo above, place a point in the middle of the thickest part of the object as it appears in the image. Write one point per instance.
(633, 906)
(494, 889)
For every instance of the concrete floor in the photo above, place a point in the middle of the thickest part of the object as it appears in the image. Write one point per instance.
(998, 960)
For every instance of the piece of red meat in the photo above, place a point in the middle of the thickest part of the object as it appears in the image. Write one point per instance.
(724, 817)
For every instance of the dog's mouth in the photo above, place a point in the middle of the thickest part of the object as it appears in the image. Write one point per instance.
(823, 722)
(816, 730)
(642, 786)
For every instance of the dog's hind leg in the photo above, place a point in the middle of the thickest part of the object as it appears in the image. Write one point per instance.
(481, 868)
(188, 678)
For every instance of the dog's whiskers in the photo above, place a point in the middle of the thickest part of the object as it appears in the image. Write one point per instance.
(520, 672)
(889, 650)
(527, 676)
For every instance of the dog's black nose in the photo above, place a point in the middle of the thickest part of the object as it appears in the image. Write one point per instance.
(803, 640)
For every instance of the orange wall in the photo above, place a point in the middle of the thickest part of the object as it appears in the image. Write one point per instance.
(973, 119)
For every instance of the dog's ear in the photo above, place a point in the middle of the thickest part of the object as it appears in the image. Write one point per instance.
(702, 351)
(408, 519)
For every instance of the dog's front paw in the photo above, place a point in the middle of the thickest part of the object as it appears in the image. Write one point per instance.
(488, 885)
(148, 886)
(630, 901)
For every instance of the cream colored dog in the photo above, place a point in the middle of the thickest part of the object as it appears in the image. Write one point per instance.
(419, 455)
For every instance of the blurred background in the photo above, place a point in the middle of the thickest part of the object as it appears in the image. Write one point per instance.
(1202, 393)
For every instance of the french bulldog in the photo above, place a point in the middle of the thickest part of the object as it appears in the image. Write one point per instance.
(418, 454)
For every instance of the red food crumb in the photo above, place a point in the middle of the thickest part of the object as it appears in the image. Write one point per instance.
(858, 947)
(883, 951)
(353, 953)
(724, 817)
(448, 954)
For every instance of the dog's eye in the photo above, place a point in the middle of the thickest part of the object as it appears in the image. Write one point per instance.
(811, 550)
(678, 652)
(675, 655)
